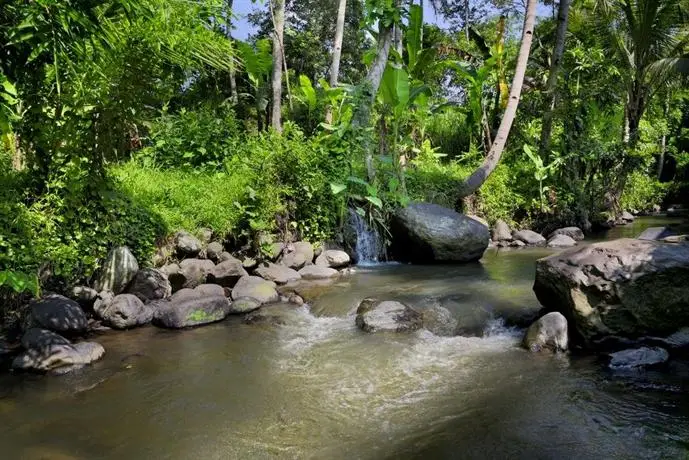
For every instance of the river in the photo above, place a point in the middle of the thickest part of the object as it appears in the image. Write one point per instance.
(310, 385)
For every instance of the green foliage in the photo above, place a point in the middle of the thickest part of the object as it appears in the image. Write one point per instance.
(642, 192)
(20, 282)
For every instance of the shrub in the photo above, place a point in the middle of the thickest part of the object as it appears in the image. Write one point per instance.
(641, 192)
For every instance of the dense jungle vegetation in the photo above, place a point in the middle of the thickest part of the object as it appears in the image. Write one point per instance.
(124, 121)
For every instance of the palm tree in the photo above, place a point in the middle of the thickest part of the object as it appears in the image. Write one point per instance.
(551, 84)
(278, 13)
(478, 177)
(337, 51)
(650, 39)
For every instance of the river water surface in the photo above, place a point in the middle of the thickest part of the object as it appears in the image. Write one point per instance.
(311, 385)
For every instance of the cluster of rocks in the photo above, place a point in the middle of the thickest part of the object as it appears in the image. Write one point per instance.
(626, 299)
(205, 285)
(503, 236)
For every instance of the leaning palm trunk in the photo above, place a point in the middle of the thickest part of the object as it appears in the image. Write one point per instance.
(551, 84)
(370, 86)
(478, 177)
(337, 53)
(278, 10)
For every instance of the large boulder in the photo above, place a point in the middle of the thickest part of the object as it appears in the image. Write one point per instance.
(277, 273)
(573, 232)
(627, 217)
(117, 271)
(440, 321)
(501, 231)
(333, 258)
(429, 233)
(195, 271)
(150, 284)
(244, 305)
(655, 233)
(191, 307)
(561, 241)
(297, 255)
(316, 272)
(256, 288)
(638, 357)
(187, 245)
(549, 332)
(529, 237)
(214, 250)
(46, 351)
(124, 311)
(627, 288)
(387, 316)
(60, 314)
(227, 273)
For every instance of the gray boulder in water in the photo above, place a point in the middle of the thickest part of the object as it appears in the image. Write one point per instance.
(60, 314)
(277, 273)
(573, 232)
(529, 237)
(387, 316)
(150, 284)
(333, 258)
(256, 288)
(549, 332)
(561, 241)
(655, 233)
(429, 233)
(628, 288)
(124, 311)
(501, 231)
(440, 321)
(119, 269)
(638, 358)
(191, 307)
(46, 351)
(316, 272)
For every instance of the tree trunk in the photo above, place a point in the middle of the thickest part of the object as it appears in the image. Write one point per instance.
(370, 85)
(663, 140)
(551, 84)
(233, 74)
(278, 11)
(337, 53)
(467, 11)
(478, 177)
(397, 38)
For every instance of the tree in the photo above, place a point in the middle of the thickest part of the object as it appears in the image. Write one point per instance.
(337, 51)
(478, 177)
(233, 72)
(551, 84)
(278, 13)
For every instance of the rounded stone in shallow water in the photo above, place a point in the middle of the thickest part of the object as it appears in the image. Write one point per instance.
(638, 358)
(387, 316)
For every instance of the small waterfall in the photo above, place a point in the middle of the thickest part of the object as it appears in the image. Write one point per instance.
(369, 248)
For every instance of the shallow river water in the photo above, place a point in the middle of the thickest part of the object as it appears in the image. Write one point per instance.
(313, 386)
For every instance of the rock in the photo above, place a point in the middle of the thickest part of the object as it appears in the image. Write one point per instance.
(429, 233)
(161, 256)
(638, 357)
(227, 273)
(333, 258)
(84, 295)
(205, 235)
(277, 273)
(529, 237)
(317, 272)
(627, 217)
(297, 255)
(561, 241)
(191, 307)
(655, 233)
(387, 316)
(60, 314)
(187, 245)
(225, 256)
(628, 288)
(656, 208)
(549, 332)
(296, 299)
(118, 270)
(150, 284)
(244, 305)
(195, 271)
(49, 352)
(440, 321)
(573, 232)
(125, 311)
(517, 244)
(174, 276)
(677, 340)
(214, 250)
(501, 231)
(676, 239)
(255, 287)
(212, 290)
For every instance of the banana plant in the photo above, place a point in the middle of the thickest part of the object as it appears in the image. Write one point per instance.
(542, 172)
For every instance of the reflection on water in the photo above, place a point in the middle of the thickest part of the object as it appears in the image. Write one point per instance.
(311, 385)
